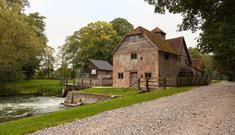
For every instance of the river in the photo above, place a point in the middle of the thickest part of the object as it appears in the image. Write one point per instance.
(16, 107)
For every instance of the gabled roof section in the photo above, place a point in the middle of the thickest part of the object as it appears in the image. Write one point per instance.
(177, 44)
(101, 65)
(161, 44)
(158, 30)
(198, 64)
(138, 31)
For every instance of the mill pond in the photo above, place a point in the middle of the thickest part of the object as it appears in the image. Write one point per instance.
(15, 107)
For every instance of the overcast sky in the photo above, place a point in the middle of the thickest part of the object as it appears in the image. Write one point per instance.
(63, 17)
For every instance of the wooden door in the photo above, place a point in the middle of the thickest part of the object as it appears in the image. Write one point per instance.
(134, 79)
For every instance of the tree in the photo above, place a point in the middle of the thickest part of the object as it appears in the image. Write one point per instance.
(29, 68)
(216, 19)
(47, 64)
(62, 64)
(71, 51)
(18, 43)
(36, 21)
(97, 42)
(122, 26)
(209, 63)
(94, 41)
(195, 53)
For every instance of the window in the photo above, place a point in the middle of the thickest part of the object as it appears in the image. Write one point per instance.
(167, 56)
(133, 56)
(120, 75)
(148, 75)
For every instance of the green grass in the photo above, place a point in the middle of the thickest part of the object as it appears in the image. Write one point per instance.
(32, 124)
(35, 87)
(215, 81)
(112, 91)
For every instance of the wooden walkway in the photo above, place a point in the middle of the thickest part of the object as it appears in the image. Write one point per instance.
(80, 84)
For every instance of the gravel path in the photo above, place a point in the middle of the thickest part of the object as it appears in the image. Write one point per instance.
(202, 111)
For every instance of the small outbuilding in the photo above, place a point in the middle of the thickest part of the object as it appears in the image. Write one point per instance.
(100, 69)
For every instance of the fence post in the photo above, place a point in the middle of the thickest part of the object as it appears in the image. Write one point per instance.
(90, 83)
(164, 83)
(73, 84)
(139, 84)
(82, 84)
(147, 84)
(66, 82)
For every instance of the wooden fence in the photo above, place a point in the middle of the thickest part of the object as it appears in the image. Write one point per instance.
(152, 83)
(192, 81)
(79, 84)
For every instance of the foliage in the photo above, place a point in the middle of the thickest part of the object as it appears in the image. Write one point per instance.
(47, 64)
(22, 126)
(94, 41)
(216, 19)
(195, 53)
(31, 87)
(37, 21)
(70, 52)
(29, 68)
(20, 42)
(122, 26)
(209, 63)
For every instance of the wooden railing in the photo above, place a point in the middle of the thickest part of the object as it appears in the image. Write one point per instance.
(152, 83)
(192, 81)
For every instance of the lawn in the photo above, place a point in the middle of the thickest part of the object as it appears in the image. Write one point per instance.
(215, 81)
(35, 87)
(112, 91)
(32, 124)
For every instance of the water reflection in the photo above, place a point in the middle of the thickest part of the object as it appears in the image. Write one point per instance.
(22, 106)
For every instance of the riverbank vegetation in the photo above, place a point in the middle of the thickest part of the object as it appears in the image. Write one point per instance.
(32, 124)
(31, 87)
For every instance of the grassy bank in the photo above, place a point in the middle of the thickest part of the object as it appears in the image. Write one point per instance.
(35, 87)
(112, 91)
(35, 123)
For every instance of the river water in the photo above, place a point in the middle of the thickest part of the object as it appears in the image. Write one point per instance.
(16, 107)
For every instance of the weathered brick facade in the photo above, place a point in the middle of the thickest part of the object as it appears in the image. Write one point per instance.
(147, 53)
(146, 61)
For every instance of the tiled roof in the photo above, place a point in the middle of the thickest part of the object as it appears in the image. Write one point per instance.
(156, 40)
(158, 30)
(198, 64)
(101, 65)
(177, 44)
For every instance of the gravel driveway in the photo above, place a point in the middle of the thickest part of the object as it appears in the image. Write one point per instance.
(201, 111)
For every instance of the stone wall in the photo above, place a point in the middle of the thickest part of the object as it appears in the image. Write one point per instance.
(75, 97)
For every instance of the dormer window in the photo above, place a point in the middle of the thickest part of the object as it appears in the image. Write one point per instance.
(134, 56)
